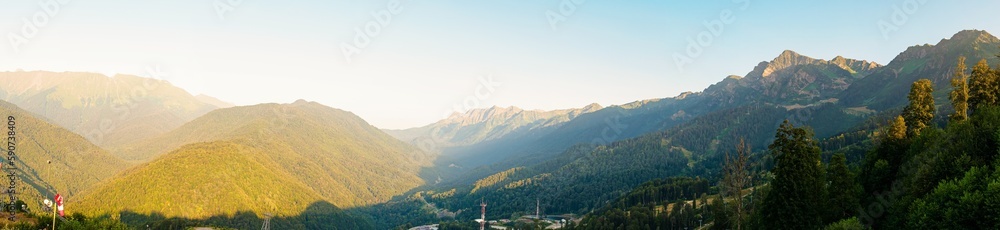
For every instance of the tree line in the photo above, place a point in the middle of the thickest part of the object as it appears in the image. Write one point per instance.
(916, 174)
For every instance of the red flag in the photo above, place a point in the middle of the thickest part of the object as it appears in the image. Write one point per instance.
(59, 205)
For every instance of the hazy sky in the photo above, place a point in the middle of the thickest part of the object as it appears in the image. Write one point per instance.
(432, 57)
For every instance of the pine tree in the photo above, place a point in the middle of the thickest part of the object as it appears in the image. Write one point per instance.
(843, 189)
(881, 166)
(897, 129)
(983, 86)
(736, 176)
(960, 92)
(797, 192)
(920, 111)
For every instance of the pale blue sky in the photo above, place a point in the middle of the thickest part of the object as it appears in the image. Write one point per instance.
(432, 54)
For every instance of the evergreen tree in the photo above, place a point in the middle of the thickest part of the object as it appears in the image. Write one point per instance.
(920, 111)
(721, 215)
(960, 92)
(736, 176)
(881, 164)
(843, 189)
(983, 86)
(896, 130)
(797, 191)
(846, 224)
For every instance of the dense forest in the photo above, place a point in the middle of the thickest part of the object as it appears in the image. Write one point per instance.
(798, 143)
(661, 203)
(915, 174)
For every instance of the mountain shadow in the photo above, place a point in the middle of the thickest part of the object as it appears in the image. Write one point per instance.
(319, 215)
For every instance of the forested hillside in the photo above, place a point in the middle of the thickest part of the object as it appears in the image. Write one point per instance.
(54, 160)
(918, 175)
(509, 115)
(793, 88)
(334, 152)
(217, 183)
(806, 88)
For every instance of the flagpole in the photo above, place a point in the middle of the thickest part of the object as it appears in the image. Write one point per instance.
(55, 209)
(53, 198)
(54, 215)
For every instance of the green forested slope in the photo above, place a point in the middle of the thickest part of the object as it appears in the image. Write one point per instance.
(200, 181)
(835, 98)
(76, 164)
(917, 174)
(333, 152)
(214, 184)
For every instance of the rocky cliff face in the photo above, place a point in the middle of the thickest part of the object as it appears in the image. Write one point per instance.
(789, 59)
(785, 60)
(857, 67)
(792, 79)
(934, 62)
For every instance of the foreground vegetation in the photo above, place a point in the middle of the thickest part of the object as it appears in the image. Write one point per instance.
(917, 175)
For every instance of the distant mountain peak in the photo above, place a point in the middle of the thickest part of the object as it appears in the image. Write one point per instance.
(789, 58)
(496, 108)
(855, 66)
(982, 43)
(484, 124)
(980, 36)
(213, 101)
(593, 107)
(482, 114)
(784, 60)
(788, 54)
(83, 102)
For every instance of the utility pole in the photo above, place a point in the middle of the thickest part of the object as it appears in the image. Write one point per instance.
(538, 213)
(50, 173)
(482, 220)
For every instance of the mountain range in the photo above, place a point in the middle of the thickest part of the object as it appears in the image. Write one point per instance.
(108, 111)
(139, 147)
(265, 157)
(479, 125)
(687, 134)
